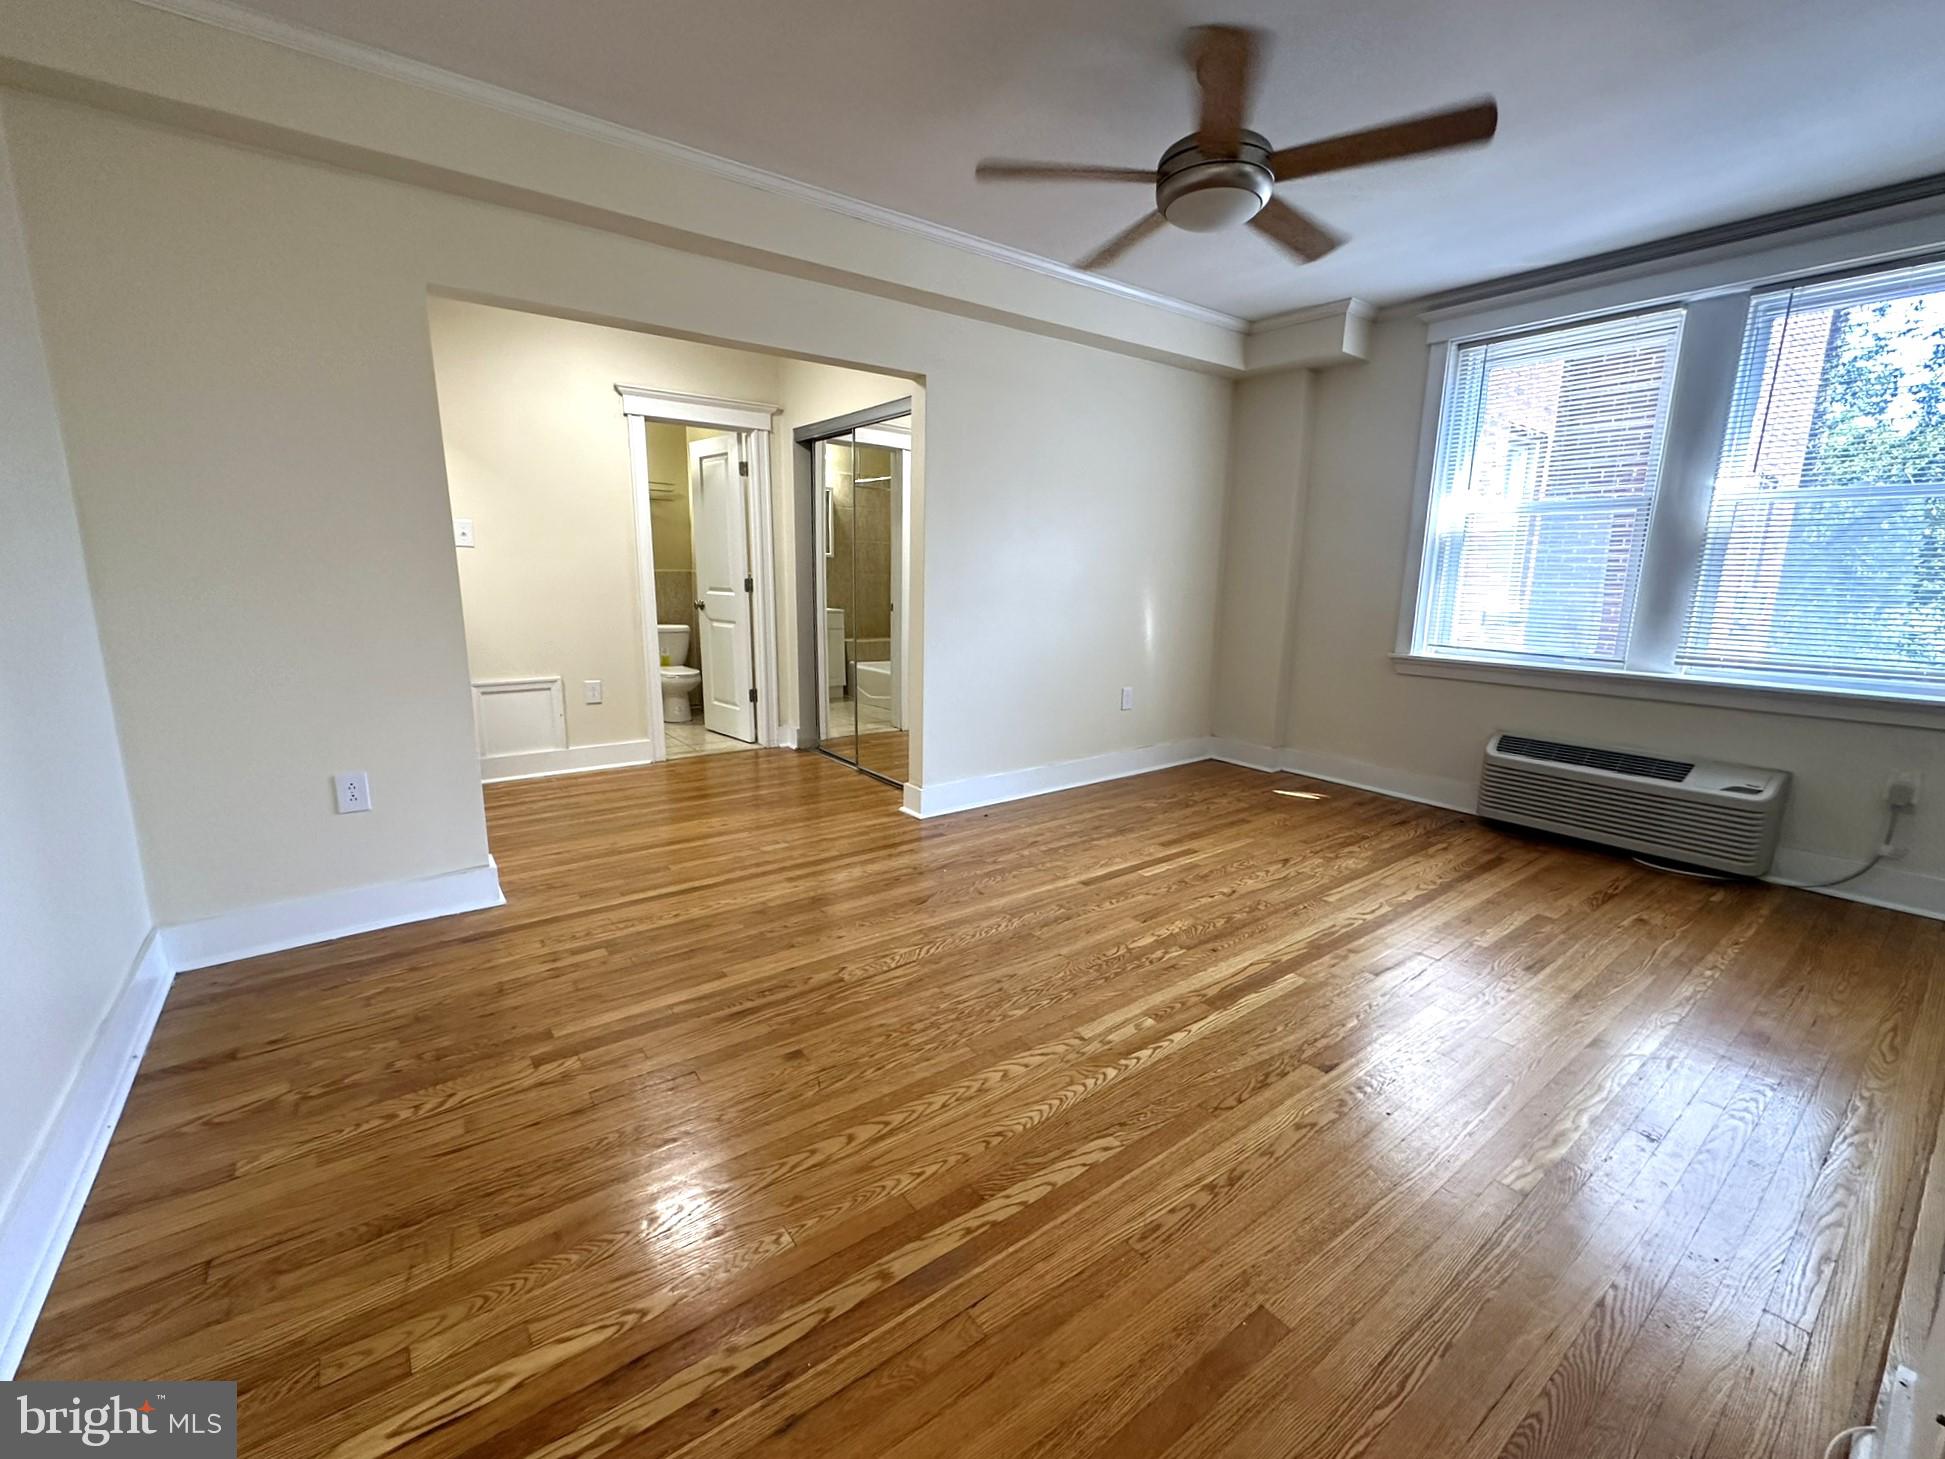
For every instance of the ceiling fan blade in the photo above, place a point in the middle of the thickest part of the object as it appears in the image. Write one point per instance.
(1126, 239)
(1434, 132)
(1224, 57)
(1297, 231)
(995, 169)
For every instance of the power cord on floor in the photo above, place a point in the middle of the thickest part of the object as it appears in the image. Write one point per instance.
(1885, 848)
(1845, 1438)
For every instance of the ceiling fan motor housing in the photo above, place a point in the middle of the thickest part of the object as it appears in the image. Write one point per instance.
(1203, 194)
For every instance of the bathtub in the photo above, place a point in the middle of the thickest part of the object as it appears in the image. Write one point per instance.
(874, 680)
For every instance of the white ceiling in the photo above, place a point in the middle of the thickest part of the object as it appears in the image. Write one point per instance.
(1621, 120)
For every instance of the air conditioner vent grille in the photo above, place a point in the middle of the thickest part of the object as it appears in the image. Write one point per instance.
(1636, 819)
(1622, 762)
(1700, 812)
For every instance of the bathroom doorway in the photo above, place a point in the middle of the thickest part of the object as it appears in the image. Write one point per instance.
(702, 525)
(860, 483)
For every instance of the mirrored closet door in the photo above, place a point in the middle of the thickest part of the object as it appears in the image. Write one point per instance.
(861, 482)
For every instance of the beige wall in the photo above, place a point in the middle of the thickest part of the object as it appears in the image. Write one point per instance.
(1349, 708)
(73, 912)
(537, 456)
(1262, 539)
(240, 345)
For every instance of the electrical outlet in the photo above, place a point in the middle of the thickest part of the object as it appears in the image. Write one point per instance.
(354, 792)
(462, 531)
(1128, 697)
(1902, 789)
(590, 691)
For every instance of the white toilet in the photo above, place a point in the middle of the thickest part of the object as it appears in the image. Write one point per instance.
(678, 680)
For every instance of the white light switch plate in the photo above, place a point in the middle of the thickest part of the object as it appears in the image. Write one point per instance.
(354, 792)
(590, 691)
(462, 531)
(1128, 698)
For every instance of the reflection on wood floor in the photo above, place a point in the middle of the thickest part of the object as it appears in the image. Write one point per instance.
(1164, 1117)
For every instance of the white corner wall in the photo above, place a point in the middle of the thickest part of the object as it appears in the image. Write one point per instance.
(1353, 717)
(73, 912)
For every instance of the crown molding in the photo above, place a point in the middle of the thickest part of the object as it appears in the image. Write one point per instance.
(1315, 338)
(371, 59)
(1915, 197)
(1310, 313)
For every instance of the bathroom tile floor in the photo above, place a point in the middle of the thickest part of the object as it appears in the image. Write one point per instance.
(871, 717)
(694, 739)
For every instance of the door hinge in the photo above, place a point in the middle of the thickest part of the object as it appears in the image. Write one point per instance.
(752, 696)
(742, 468)
(749, 584)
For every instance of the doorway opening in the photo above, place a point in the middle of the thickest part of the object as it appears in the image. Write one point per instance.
(859, 480)
(702, 522)
(627, 537)
(704, 626)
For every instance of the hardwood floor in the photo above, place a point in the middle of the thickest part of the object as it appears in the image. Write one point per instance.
(1173, 1116)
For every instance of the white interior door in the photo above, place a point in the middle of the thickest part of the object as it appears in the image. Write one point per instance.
(719, 512)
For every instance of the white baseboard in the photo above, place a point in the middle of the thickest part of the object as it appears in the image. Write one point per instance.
(35, 1229)
(274, 926)
(577, 760)
(1451, 795)
(949, 797)
(1884, 885)
(1245, 753)
(786, 737)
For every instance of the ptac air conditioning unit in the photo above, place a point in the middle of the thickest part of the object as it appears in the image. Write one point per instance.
(1696, 812)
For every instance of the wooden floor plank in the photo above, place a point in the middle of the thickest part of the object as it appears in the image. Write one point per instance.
(1165, 1115)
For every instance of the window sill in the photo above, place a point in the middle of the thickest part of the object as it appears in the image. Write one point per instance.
(1715, 694)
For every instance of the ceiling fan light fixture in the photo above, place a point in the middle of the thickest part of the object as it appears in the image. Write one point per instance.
(1203, 194)
(1215, 205)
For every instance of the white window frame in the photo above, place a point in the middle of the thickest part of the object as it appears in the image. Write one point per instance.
(1715, 292)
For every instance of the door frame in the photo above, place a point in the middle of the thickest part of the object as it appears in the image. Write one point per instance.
(753, 420)
(809, 536)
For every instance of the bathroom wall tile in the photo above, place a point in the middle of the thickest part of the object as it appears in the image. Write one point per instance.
(873, 599)
(675, 602)
(837, 583)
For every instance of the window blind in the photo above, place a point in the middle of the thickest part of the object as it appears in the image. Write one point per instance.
(1548, 459)
(1824, 558)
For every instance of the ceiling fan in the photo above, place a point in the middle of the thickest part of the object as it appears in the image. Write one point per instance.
(1222, 173)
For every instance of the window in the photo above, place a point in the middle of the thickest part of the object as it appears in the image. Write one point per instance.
(1549, 454)
(1804, 548)
(1825, 554)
